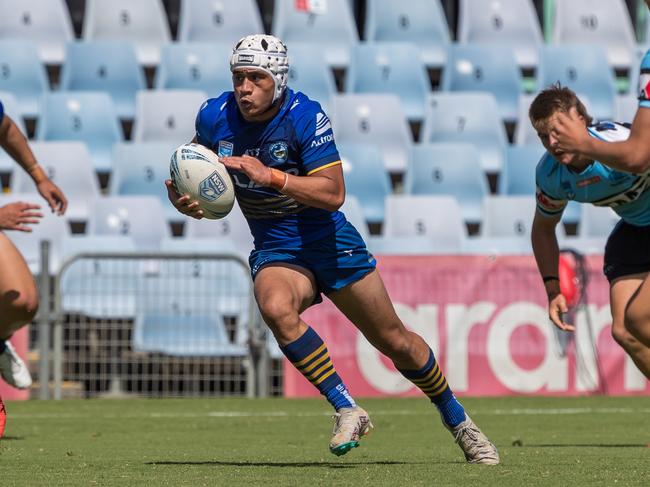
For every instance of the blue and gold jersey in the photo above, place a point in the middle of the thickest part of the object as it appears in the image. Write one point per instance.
(644, 81)
(627, 194)
(298, 140)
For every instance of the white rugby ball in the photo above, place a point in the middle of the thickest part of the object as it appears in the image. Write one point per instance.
(196, 170)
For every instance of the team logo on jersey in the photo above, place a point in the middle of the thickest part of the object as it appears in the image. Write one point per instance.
(225, 148)
(322, 124)
(212, 187)
(279, 151)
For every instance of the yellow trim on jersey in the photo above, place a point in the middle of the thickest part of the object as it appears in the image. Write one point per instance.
(323, 167)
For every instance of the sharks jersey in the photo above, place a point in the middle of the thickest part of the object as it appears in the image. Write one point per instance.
(644, 81)
(627, 194)
(299, 141)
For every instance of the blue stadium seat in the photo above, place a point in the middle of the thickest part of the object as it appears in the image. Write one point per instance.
(596, 221)
(308, 73)
(436, 218)
(452, 169)
(585, 70)
(45, 22)
(518, 174)
(141, 169)
(509, 216)
(195, 66)
(390, 67)
(140, 217)
(626, 107)
(489, 68)
(232, 227)
(353, 212)
(23, 75)
(51, 227)
(166, 115)
(373, 120)
(468, 117)
(331, 30)
(422, 22)
(366, 178)
(69, 165)
(210, 21)
(511, 23)
(87, 117)
(604, 23)
(109, 66)
(143, 22)
(12, 110)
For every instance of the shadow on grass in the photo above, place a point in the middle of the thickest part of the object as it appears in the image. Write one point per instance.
(11, 438)
(584, 445)
(284, 464)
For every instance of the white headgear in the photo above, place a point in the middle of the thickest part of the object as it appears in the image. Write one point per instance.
(264, 52)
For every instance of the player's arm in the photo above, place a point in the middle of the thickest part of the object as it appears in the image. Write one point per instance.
(631, 155)
(323, 188)
(14, 142)
(547, 256)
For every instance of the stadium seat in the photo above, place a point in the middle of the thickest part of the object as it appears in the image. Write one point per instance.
(604, 23)
(438, 218)
(141, 169)
(195, 66)
(596, 221)
(518, 174)
(511, 23)
(366, 178)
(143, 22)
(45, 22)
(308, 74)
(69, 166)
(140, 217)
(82, 116)
(508, 216)
(626, 107)
(12, 110)
(353, 212)
(23, 75)
(422, 22)
(390, 67)
(166, 115)
(51, 227)
(233, 227)
(331, 29)
(108, 66)
(468, 117)
(373, 120)
(210, 21)
(488, 68)
(585, 70)
(451, 169)
(102, 288)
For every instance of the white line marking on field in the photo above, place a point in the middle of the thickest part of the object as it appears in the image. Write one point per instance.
(287, 414)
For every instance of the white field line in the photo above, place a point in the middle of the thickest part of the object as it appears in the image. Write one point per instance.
(286, 414)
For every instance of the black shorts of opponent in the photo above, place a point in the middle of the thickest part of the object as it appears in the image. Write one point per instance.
(627, 251)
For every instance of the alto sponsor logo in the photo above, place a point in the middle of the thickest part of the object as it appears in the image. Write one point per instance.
(322, 124)
(322, 140)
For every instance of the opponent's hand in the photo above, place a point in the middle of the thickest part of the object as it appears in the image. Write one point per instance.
(53, 195)
(556, 307)
(182, 202)
(570, 131)
(252, 167)
(16, 216)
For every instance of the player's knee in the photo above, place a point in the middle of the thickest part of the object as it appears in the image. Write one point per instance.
(394, 343)
(623, 337)
(637, 321)
(279, 315)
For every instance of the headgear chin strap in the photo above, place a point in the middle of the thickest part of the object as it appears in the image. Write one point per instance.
(265, 52)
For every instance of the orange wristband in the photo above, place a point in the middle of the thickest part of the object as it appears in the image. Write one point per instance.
(37, 173)
(278, 179)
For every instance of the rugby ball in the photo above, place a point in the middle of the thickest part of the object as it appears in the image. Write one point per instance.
(196, 171)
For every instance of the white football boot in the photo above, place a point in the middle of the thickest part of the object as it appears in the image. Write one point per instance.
(475, 445)
(13, 370)
(349, 426)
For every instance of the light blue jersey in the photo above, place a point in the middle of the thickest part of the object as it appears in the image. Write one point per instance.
(644, 81)
(627, 194)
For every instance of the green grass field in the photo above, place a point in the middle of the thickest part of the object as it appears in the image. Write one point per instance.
(542, 441)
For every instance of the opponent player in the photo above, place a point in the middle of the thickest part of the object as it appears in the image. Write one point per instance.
(279, 148)
(18, 293)
(631, 155)
(563, 176)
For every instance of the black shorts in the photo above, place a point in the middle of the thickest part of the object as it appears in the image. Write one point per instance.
(627, 251)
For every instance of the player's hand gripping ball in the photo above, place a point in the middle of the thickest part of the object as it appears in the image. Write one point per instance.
(196, 171)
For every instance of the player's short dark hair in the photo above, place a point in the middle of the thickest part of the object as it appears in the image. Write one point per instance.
(556, 98)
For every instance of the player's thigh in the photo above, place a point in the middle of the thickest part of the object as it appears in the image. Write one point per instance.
(17, 284)
(367, 305)
(620, 292)
(283, 286)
